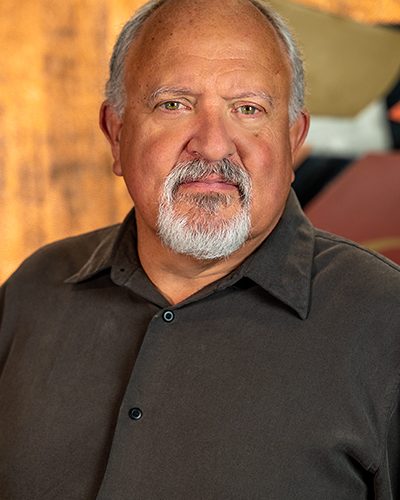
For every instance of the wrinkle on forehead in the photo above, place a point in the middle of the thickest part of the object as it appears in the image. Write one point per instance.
(227, 22)
(194, 12)
(222, 33)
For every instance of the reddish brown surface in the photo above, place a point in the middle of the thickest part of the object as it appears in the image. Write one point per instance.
(363, 204)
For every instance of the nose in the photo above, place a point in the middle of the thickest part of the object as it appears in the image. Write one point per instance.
(211, 139)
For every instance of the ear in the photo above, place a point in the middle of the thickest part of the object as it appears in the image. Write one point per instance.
(111, 125)
(298, 132)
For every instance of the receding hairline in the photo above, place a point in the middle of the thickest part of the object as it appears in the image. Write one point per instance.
(258, 15)
(270, 20)
(146, 39)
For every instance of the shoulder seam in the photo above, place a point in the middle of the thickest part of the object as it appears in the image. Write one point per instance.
(344, 241)
(76, 236)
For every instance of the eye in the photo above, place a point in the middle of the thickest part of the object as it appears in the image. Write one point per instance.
(248, 109)
(172, 105)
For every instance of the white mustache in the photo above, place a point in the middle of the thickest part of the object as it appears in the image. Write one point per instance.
(196, 170)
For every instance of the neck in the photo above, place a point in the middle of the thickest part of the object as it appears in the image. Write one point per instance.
(178, 276)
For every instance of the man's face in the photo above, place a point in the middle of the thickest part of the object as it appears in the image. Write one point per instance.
(207, 83)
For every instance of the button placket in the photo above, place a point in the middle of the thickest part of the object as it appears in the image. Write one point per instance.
(135, 413)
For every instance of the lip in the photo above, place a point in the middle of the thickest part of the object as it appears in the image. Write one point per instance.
(211, 183)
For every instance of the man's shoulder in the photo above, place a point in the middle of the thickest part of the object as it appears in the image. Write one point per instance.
(344, 260)
(62, 258)
(350, 250)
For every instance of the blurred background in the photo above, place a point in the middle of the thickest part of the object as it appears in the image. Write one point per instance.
(55, 166)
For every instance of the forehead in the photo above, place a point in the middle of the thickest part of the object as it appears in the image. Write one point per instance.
(208, 34)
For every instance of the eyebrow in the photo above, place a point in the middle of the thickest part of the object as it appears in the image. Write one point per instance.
(259, 93)
(179, 91)
(176, 91)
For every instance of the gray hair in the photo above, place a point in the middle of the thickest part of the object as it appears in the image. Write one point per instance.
(115, 88)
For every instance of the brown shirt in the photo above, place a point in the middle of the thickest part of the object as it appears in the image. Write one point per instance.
(279, 381)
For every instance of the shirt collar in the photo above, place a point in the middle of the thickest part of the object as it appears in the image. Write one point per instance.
(281, 265)
(116, 247)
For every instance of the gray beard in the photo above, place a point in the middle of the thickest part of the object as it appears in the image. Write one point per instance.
(200, 231)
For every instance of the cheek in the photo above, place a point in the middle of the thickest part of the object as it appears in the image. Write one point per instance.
(147, 157)
(267, 158)
(269, 164)
(154, 145)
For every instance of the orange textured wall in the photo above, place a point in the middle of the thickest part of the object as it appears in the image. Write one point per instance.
(55, 175)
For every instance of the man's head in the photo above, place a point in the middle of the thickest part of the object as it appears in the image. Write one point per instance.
(204, 115)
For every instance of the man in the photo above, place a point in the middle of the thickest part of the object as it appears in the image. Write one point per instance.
(215, 345)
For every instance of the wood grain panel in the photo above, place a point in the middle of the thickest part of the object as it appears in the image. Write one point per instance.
(55, 167)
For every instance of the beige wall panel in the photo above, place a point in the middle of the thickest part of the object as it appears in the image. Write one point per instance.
(55, 167)
(370, 11)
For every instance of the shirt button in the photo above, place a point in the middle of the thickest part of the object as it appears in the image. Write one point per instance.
(135, 413)
(168, 316)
